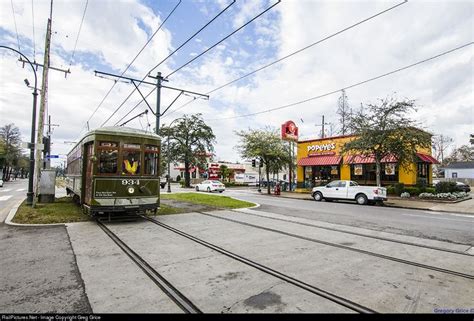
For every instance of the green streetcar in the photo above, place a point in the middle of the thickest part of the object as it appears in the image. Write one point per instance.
(115, 170)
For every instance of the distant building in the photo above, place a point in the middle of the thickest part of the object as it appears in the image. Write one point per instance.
(459, 170)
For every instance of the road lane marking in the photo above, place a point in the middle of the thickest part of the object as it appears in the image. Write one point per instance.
(21, 189)
(438, 218)
(4, 198)
(5, 190)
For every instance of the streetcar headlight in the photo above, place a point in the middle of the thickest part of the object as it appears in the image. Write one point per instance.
(131, 190)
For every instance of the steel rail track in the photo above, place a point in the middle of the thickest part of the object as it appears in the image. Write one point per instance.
(174, 294)
(363, 235)
(308, 287)
(387, 257)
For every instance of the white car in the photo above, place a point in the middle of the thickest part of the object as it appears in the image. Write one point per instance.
(210, 186)
(1, 182)
(350, 190)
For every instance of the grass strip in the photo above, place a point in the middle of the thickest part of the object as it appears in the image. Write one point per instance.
(209, 200)
(62, 210)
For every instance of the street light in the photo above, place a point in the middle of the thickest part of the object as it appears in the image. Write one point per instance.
(30, 193)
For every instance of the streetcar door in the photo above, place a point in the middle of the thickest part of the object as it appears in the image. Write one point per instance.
(88, 152)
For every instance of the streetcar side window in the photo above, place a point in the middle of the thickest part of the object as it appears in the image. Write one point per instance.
(131, 159)
(108, 157)
(151, 160)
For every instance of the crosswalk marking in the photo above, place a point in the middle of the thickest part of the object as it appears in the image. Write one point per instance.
(4, 198)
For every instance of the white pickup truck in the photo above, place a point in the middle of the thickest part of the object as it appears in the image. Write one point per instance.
(350, 190)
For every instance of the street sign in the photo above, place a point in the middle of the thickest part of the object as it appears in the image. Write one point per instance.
(53, 156)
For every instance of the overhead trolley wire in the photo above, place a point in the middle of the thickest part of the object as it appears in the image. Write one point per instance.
(225, 38)
(133, 90)
(79, 32)
(294, 53)
(347, 87)
(141, 50)
(16, 30)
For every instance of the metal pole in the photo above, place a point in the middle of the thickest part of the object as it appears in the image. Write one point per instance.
(30, 193)
(158, 101)
(169, 170)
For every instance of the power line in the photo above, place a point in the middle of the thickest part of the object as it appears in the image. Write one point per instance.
(16, 30)
(225, 38)
(294, 53)
(133, 90)
(190, 38)
(79, 32)
(345, 88)
(34, 41)
(146, 44)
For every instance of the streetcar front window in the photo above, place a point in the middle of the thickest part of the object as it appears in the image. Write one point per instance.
(108, 157)
(131, 159)
(151, 160)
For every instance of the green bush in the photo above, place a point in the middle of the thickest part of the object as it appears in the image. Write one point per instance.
(431, 190)
(445, 187)
(399, 188)
(421, 182)
(413, 190)
(391, 190)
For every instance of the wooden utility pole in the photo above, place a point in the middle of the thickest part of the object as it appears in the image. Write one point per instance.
(44, 92)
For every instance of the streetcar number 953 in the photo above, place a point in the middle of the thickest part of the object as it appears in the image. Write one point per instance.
(130, 182)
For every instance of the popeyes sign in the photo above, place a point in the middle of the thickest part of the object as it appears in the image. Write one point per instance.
(322, 149)
(289, 131)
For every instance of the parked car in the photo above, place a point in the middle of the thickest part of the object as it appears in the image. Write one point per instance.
(210, 186)
(350, 190)
(1, 182)
(463, 187)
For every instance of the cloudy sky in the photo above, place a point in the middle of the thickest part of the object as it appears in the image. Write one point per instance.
(112, 33)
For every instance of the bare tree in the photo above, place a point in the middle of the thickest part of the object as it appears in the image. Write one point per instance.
(344, 113)
(440, 144)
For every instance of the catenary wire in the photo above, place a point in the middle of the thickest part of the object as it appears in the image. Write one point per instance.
(138, 104)
(34, 41)
(347, 87)
(191, 37)
(225, 38)
(293, 53)
(141, 50)
(134, 89)
(79, 32)
(16, 30)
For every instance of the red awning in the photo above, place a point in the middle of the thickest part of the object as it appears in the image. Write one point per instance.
(427, 158)
(320, 160)
(362, 159)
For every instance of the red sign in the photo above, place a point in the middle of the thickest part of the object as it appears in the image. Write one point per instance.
(289, 131)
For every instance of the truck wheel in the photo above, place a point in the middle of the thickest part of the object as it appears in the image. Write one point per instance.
(361, 199)
(197, 188)
(318, 197)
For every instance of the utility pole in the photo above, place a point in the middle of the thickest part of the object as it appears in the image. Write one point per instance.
(44, 91)
(322, 125)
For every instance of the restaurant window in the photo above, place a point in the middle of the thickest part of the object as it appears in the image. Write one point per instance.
(151, 160)
(108, 157)
(422, 170)
(131, 159)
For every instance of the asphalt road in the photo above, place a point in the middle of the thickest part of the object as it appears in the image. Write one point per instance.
(38, 266)
(448, 227)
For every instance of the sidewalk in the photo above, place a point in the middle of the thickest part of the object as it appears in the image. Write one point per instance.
(463, 207)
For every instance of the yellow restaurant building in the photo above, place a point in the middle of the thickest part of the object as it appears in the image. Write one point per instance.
(320, 160)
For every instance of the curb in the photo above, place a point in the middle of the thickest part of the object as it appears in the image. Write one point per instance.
(11, 215)
(386, 205)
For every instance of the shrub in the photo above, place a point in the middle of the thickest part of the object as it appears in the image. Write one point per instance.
(431, 190)
(399, 188)
(445, 187)
(421, 182)
(405, 195)
(444, 196)
(178, 178)
(413, 190)
(391, 190)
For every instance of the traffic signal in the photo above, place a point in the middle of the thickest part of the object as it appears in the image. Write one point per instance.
(261, 162)
(253, 162)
